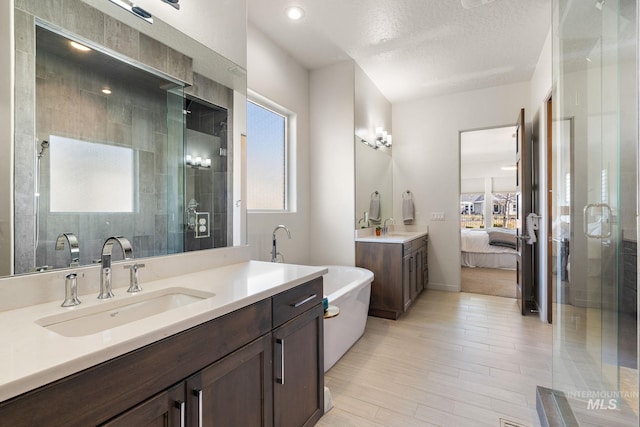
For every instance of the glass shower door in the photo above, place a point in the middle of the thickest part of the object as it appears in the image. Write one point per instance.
(595, 122)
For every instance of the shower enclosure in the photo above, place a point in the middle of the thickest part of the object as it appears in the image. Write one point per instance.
(594, 233)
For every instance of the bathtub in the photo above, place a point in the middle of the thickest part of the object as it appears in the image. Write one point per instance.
(348, 288)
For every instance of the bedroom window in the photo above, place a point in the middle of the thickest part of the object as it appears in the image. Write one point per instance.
(472, 210)
(504, 210)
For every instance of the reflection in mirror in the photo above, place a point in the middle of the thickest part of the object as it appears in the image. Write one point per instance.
(137, 97)
(107, 125)
(374, 173)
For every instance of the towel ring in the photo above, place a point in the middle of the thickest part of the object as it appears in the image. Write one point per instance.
(375, 194)
(408, 194)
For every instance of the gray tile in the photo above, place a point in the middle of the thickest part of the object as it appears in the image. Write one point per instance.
(25, 34)
(153, 53)
(146, 177)
(179, 65)
(84, 20)
(121, 38)
(143, 135)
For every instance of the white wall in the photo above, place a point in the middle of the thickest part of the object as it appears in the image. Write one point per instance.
(218, 24)
(332, 165)
(273, 74)
(541, 84)
(426, 162)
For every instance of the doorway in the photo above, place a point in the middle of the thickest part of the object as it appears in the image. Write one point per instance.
(488, 210)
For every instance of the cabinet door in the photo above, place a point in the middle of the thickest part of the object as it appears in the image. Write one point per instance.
(166, 409)
(421, 268)
(408, 287)
(235, 391)
(298, 370)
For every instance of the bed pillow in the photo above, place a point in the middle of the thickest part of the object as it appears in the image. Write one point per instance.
(502, 238)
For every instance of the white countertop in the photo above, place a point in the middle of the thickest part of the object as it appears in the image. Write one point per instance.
(32, 356)
(395, 235)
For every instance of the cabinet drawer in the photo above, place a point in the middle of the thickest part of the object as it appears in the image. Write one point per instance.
(293, 302)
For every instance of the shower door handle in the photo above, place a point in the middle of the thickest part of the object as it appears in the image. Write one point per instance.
(585, 214)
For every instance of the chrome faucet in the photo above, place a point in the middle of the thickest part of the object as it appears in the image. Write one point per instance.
(71, 290)
(385, 228)
(72, 244)
(105, 275)
(274, 249)
(134, 277)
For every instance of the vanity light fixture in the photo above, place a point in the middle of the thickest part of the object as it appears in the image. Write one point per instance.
(383, 138)
(136, 10)
(174, 3)
(79, 46)
(295, 13)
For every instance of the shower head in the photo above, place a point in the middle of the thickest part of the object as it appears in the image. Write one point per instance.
(43, 146)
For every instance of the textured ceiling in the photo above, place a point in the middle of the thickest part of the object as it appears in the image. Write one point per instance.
(414, 48)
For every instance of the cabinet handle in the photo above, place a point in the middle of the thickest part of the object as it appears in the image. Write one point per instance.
(304, 301)
(180, 405)
(199, 394)
(280, 342)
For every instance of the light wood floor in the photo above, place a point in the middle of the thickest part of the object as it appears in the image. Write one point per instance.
(489, 281)
(455, 359)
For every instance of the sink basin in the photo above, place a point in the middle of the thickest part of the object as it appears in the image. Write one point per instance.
(120, 311)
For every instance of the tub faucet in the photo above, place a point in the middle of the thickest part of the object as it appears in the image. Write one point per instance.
(274, 248)
(105, 275)
(72, 244)
(385, 228)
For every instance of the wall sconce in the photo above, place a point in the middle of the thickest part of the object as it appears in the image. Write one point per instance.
(197, 162)
(383, 139)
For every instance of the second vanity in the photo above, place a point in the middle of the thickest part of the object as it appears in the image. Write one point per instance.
(246, 349)
(398, 260)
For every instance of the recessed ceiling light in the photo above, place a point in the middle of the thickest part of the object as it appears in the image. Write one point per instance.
(106, 91)
(79, 46)
(294, 13)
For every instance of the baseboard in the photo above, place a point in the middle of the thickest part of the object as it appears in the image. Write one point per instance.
(443, 287)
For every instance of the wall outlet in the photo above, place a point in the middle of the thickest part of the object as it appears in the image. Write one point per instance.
(437, 216)
(202, 225)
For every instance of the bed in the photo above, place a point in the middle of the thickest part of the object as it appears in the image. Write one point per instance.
(492, 248)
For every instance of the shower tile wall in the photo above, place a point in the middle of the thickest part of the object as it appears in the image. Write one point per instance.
(136, 120)
(70, 104)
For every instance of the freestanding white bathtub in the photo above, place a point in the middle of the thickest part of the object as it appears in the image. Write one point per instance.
(348, 288)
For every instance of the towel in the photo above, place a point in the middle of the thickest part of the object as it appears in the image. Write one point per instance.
(532, 225)
(374, 209)
(408, 210)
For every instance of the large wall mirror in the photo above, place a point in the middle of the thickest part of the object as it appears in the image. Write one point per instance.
(122, 128)
(374, 183)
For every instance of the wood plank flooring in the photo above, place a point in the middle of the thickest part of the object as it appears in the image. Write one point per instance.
(455, 359)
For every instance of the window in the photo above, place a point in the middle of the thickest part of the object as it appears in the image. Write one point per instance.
(266, 158)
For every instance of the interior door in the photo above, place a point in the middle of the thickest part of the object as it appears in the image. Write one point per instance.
(524, 269)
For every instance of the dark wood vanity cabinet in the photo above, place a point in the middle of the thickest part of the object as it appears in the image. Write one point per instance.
(163, 410)
(218, 373)
(298, 356)
(235, 391)
(400, 274)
